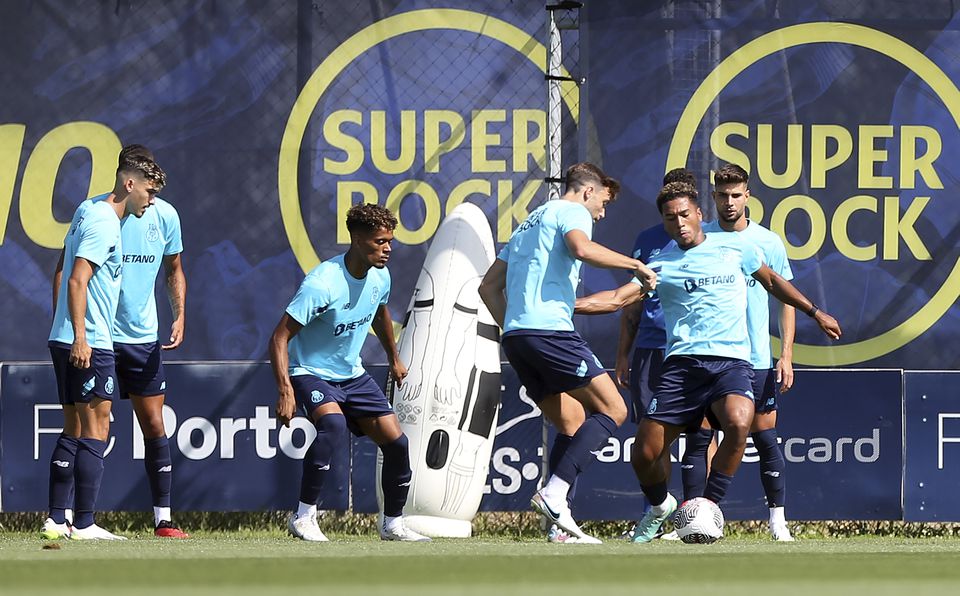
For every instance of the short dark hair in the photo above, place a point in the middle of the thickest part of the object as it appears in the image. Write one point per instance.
(135, 151)
(675, 190)
(680, 175)
(612, 186)
(730, 174)
(367, 217)
(148, 168)
(584, 173)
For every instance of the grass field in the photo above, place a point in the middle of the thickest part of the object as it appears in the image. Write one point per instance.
(268, 562)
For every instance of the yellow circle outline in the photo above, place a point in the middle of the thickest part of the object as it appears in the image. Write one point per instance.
(870, 39)
(350, 50)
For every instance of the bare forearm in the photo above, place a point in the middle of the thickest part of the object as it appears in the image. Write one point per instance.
(177, 292)
(629, 322)
(77, 304)
(280, 360)
(785, 292)
(600, 256)
(496, 303)
(788, 326)
(608, 301)
(383, 328)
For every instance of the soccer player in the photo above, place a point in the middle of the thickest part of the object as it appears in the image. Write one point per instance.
(702, 288)
(642, 330)
(530, 291)
(731, 194)
(81, 345)
(315, 354)
(147, 242)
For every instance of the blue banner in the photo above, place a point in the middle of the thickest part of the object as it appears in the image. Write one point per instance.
(841, 434)
(932, 474)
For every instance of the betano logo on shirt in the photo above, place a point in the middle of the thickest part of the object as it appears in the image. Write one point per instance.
(821, 160)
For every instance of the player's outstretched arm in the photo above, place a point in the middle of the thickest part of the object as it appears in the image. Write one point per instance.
(177, 295)
(785, 292)
(629, 322)
(588, 251)
(609, 300)
(286, 329)
(383, 327)
(491, 291)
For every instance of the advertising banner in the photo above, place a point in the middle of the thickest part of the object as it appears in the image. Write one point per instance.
(932, 474)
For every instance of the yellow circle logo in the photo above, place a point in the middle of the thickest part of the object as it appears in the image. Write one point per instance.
(864, 37)
(341, 58)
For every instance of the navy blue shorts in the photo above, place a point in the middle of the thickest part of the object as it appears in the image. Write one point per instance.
(550, 362)
(140, 369)
(644, 378)
(358, 398)
(80, 385)
(766, 390)
(690, 384)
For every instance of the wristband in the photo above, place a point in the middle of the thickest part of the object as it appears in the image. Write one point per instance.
(814, 309)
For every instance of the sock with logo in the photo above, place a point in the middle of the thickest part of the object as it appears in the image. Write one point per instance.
(771, 466)
(88, 474)
(395, 476)
(62, 464)
(717, 485)
(560, 445)
(591, 436)
(332, 433)
(159, 466)
(693, 466)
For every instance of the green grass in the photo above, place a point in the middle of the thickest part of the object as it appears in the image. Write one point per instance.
(267, 562)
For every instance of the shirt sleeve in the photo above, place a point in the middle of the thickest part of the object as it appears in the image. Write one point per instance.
(174, 243)
(575, 217)
(752, 256)
(778, 260)
(311, 300)
(387, 284)
(97, 238)
(504, 254)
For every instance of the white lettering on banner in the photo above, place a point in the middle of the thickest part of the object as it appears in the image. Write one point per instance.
(500, 464)
(825, 450)
(56, 430)
(942, 439)
(197, 438)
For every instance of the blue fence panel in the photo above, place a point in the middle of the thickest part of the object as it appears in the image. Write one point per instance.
(932, 474)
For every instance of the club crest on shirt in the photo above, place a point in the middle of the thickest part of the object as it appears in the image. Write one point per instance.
(153, 233)
(375, 296)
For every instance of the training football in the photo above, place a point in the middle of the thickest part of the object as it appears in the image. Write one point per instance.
(699, 521)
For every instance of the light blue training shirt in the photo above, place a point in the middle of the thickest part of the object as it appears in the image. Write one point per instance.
(336, 311)
(542, 275)
(758, 299)
(146, 240)
(94, 235)
(703, 293)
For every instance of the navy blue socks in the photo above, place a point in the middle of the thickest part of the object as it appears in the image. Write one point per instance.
(717, 485)
(331, 434)
(62, 464)
(88, 474)
(693, 466)
(592, 435)
(159, 468)
(395, 476)
(771, 466)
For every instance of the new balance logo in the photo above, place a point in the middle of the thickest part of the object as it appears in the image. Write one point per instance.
(323, 468)
(61, 464)
(582, 369)
(166, 469)
(772, 473)
(407, 483)
(686, 466)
